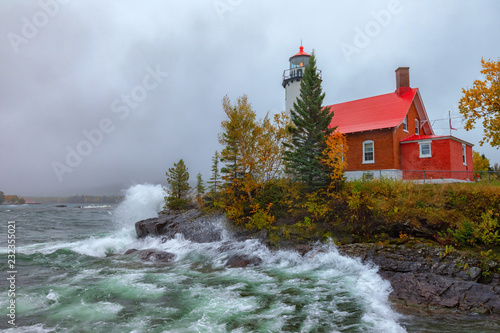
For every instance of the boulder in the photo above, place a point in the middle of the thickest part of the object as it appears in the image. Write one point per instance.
(242, 261)
(192, 224)
(152, 255)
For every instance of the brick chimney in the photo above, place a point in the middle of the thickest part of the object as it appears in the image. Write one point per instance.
(402, 80)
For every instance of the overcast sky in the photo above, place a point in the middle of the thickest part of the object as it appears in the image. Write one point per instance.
(133, 86)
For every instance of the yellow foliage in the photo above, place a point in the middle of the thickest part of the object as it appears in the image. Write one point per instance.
(482, 101)
(253, 150)
(261, 218)
(334, 157)
(480, 163)
(316, 205)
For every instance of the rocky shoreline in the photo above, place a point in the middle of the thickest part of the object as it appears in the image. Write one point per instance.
(421, 275)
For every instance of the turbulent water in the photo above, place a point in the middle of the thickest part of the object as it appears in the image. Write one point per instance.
(72, 277)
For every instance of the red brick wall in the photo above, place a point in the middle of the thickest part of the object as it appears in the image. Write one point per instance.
(386, 143)
(456, 160)
(446, 155)
(383, 145)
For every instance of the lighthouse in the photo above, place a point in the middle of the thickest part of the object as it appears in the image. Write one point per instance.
(293, 76)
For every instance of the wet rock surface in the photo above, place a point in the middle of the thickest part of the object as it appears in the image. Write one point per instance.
(420, 275)
(192, 224)
(242, 261)
(151, 255)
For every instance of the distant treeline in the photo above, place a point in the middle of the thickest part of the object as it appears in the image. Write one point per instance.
(10, 199)
(87, 199)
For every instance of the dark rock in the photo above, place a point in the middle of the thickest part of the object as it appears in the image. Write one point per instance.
(192, 224)
(155, 255)
(420, 275)
(60, 206)
(302, 249)
(242, 261)
(151, 255)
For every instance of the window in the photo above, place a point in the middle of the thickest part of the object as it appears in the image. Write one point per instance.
(464, 151)
(405, 124)
(368, 176)
(425, 149)
(368, 152)
(417, 127)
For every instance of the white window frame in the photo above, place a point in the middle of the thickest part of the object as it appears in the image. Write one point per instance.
(364, 151)
(417, 127)
(405, 124)
(464, 153)
(420, 144)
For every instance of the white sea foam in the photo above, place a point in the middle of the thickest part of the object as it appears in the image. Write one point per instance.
(322, 278)
(96, 206)
(39, 328)
(141, 202)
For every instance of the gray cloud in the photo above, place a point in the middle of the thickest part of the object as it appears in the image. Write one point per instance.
(65, 79)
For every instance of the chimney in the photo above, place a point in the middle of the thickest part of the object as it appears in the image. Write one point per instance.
(402, 80)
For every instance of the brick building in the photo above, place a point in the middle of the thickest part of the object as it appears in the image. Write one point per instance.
(389, 135)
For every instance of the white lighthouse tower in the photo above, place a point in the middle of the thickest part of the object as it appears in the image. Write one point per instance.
(292, 77)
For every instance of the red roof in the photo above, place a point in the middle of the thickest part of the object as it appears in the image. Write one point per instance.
(301, 53)
(414, 138)
(383, 111)
(423, 137)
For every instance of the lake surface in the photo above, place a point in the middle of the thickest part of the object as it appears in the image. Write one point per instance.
(71, 276)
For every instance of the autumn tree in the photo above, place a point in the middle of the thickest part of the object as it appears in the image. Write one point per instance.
(309, 131)
(482, 101)
(214, 181)
(177, 186)
(480, 162)
(239, 138)
(334, 158)
(253, 150)
(252, 154)
(271, 146)
(14, 199)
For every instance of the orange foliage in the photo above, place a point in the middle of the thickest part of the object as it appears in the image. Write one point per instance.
(334, 157)
(483, 101)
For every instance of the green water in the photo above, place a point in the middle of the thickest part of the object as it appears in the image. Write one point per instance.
(72, 277)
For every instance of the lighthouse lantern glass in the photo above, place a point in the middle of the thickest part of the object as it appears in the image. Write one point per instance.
(299, 61)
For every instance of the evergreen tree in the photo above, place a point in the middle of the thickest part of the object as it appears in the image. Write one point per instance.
(177, 186)
(215, 179)
(200, 187)
(309, 130)
(2, 197)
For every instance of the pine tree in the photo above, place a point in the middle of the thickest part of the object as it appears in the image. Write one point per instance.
(177, 186)
(309, 130)
(215, 179)
(200, 187)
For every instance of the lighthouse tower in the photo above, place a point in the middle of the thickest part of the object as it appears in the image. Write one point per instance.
(292, 77)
